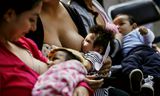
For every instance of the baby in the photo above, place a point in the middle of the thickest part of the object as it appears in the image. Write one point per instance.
(99, 40)
(141, 60)
(133, 35)
(66, 72)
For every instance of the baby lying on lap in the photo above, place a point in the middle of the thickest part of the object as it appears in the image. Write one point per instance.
(68, 70)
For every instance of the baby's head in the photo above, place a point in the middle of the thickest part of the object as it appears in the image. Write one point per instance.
(126, 23)
(60, 55)
(98, 39)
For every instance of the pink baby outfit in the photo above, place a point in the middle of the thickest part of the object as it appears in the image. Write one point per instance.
(60, 79)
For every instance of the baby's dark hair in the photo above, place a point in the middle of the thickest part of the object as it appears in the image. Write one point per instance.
(70, 55)
(104, 36)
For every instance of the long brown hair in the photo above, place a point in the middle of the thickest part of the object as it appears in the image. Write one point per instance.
(82, 4)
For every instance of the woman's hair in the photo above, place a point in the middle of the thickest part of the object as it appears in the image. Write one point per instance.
(82, 4)
(103, 37)
(18, 6)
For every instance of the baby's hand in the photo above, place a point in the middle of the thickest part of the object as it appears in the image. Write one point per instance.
(143, 30)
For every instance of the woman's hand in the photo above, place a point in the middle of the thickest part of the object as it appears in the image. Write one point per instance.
(81, 91)
(92, 82)
(106, 67)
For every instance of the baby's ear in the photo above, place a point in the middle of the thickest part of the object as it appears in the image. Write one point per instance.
(134, 25)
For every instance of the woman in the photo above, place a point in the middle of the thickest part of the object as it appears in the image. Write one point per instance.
(20, 60)
(19, 69)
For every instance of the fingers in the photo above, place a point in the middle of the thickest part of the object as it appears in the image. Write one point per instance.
(94, 84)
(54, 47)
(107, 61)
(104, 73)
(106, 67)
(91, 77)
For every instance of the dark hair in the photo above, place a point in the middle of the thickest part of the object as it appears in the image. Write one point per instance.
(104, 36)
(70, 55)
(18, 6)
(82, 4)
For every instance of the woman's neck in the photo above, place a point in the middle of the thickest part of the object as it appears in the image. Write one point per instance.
(3, 39)
(5, 43)
(51, 7)
(88, 3)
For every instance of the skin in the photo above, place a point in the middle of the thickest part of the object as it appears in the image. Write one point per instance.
(124, 25)
(81, 91)
(87, 44)
(54, 14)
